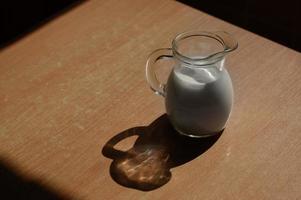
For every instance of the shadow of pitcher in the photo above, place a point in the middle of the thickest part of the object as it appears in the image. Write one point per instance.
(158, 148)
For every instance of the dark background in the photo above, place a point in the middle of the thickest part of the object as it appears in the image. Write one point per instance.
(18, 17)
(276, 20)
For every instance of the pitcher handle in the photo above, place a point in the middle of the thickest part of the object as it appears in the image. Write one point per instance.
(155, 85)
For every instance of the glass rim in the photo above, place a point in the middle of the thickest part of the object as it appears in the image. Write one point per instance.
(210, 58)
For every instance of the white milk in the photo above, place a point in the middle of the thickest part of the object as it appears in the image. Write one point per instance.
(198, 100)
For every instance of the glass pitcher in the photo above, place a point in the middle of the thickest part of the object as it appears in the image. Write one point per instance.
(198, 93)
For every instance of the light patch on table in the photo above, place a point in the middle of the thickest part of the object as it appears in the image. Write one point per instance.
(59, 64)
(81, 127)
(65, 100)
(39, 99)
(3, 131)
(228, 151)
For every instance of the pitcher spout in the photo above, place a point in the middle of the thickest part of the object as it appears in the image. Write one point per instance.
(230, 44)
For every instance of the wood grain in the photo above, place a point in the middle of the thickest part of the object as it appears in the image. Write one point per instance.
(69, 87)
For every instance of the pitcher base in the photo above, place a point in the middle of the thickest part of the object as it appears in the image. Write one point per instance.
(198, 136)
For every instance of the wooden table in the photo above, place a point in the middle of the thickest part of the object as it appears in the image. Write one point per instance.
(72, 85)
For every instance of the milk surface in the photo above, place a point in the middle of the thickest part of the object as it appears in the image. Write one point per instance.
(198, 100)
